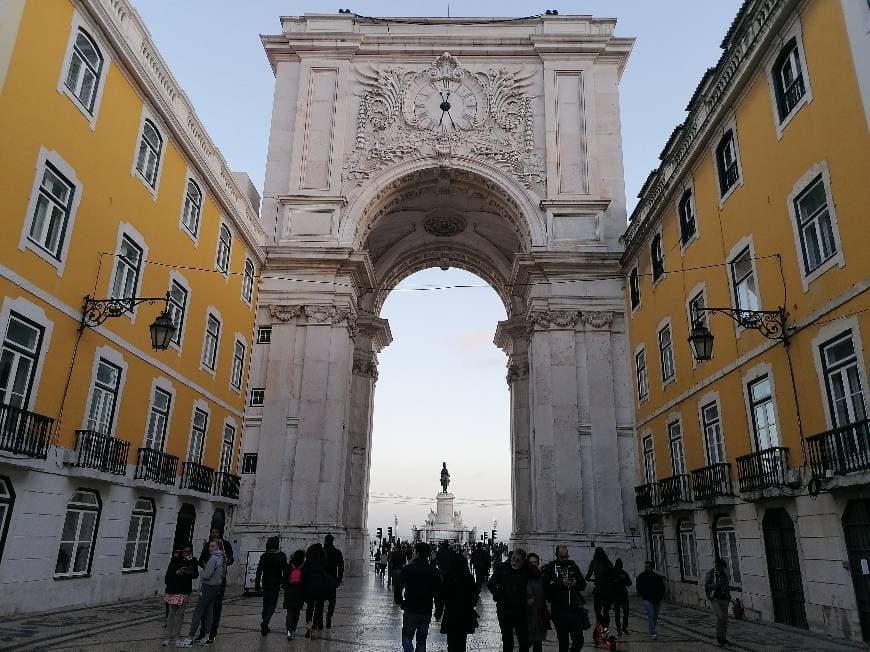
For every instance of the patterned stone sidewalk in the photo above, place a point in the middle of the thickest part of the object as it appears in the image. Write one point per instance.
(365, 619)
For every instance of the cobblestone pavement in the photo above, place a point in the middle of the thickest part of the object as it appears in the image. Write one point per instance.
(365, 619)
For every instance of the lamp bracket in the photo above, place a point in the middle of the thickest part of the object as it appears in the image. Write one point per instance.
(97, 311)
(770, 323)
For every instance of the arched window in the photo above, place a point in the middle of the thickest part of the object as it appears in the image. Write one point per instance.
(725, 546)
(85, 67)
(139, 535)
(192, 207)
(688, 550)
(150, 150)
(7, 501)
(79, 534)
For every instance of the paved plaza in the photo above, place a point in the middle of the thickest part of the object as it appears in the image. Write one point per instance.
(365, 619)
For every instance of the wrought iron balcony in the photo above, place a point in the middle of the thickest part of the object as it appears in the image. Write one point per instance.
(156, 466)
(101, 452)
(712, 481)
(647, 496)
(841, 450)
(763, 470)
(23, 432)
(675, 490)
(226, 485)
(197, 477)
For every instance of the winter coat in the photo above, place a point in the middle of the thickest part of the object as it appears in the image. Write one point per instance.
(180, 576)
(459, 597)
(508, 588)
(536, 611)
(271, 568)
(561, 597)
(650, 586)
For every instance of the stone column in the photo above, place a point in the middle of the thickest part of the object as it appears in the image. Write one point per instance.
(372, 336)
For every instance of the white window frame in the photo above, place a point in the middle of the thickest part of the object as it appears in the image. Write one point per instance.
(733, 547)
(227, 468)
(47, 156)
(193, 235)
(144, 524)
(826, 334)
(260, 331)
(80, 508)
(37, 315)
(148, 115)
(635, 271)
(712, 398)
(176, 278)
(688, 548)
(164, 385)
(237, 340)
(688, 187)
(661, 240)
(250, 289)
(819, 169)
(217, 254)
(127, 230)
(641, 398)
(79, 23)
(116, 358)
(666, 324)
(792, 30)
(198, 406)
(213, 312)
(261, 393)
(754, 375)
(744, 243)
(729, 124)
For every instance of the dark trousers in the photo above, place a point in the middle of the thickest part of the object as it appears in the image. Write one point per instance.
(330, 609)
(602, 610)
(569, 630)
(457, 641)
(510, 623)
(620, 614)
(314, 614)
(270, 601)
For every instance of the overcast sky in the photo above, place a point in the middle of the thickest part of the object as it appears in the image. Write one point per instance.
(442, 394)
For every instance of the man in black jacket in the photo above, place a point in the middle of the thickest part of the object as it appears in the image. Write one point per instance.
(508, 586)
(651, 589)
(271, 570)
(421, 585)
(334, 568)
(229, 559)
(563, 583)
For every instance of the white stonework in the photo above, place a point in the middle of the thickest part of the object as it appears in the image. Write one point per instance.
(488, 145)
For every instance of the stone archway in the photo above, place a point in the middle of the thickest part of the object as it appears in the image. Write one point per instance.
(367, 188)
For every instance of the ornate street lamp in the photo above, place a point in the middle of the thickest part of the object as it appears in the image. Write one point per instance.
(770, 323)
(97, 311)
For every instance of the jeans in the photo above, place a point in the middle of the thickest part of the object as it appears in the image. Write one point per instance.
(415, 624)
(620, 614)
(568, 627)
(720, 610)
(270, 601)
(652, 615)
(203, 613)
(508, 624)
(175, 620)
(314, 614)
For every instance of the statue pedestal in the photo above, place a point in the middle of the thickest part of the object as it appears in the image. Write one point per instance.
(444, 511)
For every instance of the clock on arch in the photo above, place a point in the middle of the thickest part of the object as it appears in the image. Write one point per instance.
(445, 98)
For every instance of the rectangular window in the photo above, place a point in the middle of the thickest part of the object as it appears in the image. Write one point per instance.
(634, 288)
(104, 398)
(657, 256)
(177, 309)
(714, 440)
(224, 247)
(843, 381)
(743, 281)
(788, 79)
(640, 370)
(212, 337)
(139, 536)
(128, 266)
(238, 365)
(227, 448)
(158, 420)
(666, 354)
(675, 442)
(815, 226)
(198, 430)
(726, 162)
(248, 282)
(264, 334)
(52, 212)
(687, 217)
(258, 395)
(18, 358)
(763, 414)
(649, 460)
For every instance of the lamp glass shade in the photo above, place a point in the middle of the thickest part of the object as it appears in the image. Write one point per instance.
(701, 341)
(162, 331)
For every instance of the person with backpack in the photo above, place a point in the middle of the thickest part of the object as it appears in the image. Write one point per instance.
(270, 569)
(563, 586)
(651, 589)
(621, 582)
(717, 584)
(213, 576)
(317, 586)
(293, 594)
(179, 585)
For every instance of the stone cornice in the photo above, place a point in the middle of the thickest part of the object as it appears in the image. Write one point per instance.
(136, 51)
(746, 43)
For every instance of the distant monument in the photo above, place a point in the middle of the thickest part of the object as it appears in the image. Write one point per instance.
(443, 523)
(445, 478)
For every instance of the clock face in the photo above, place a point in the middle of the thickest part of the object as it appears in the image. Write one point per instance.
(445, 105)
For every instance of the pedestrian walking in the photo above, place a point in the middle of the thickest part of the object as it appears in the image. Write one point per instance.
(182, 571)
(621, 582)
(651, 589)
(335, 568)
(269, 577)
(420, 585)
(229, 559)
(508, 586)
(459, 596)
(536, 610)
(317, 586)
(600, 573)
(212, 578)
(717, 586)
(294, 597)
(563, 586)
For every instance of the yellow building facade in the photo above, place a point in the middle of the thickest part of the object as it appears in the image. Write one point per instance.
(761, 454)
(113, 451)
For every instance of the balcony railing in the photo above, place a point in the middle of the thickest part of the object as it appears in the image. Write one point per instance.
(762, 470)
(712, 481)
(101, 452)
(675, 490)
(197, 477)
(23, 432)
(156, 466)
(647, 496)
(226, 485)
(841, 450)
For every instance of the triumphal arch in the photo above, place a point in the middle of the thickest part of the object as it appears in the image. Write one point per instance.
(491, 145)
